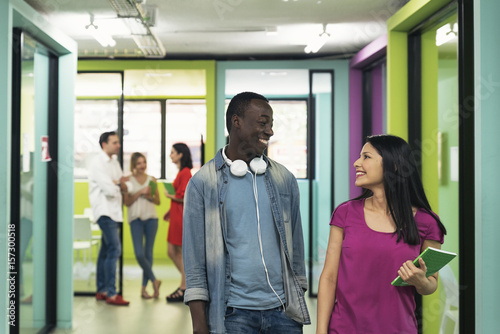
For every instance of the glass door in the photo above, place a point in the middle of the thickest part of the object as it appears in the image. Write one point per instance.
(31, 155)
(433, 129)
(320, 176)
(440, 51)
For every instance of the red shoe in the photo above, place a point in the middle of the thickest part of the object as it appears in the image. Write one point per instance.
(100, 296)
(117, 300)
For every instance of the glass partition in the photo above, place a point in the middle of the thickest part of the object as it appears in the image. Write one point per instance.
(98, 85)
(288, 146)
(92, 118)
(142, 133)
(33, 186)
(186, 122)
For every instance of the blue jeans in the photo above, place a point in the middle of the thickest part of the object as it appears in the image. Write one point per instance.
(108, 256)
(273, 321)
(143, 237)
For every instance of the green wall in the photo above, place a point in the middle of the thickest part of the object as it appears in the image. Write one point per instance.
(160, 247)
(398, 27)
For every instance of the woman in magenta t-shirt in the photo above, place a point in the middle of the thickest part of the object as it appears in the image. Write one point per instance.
(374, 238)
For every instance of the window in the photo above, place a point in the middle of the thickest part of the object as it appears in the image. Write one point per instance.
(92, 117)
(288, 145)
(142, 133)
(185, 122)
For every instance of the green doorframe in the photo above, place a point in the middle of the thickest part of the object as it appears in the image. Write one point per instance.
(399, 25)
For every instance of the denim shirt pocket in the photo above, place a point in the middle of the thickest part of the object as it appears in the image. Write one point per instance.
(286, 208)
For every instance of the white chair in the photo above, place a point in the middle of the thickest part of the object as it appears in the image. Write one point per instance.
(82, 241)
(93, 224)
(450, 314)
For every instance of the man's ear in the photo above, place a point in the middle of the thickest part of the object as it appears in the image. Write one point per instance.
(235, 121)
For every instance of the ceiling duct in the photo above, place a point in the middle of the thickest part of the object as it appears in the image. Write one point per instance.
(139, 20)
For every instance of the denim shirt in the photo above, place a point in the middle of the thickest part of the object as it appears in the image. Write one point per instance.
(206, 259)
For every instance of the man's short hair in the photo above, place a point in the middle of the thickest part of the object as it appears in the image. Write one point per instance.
(238, 105)
(105, 136)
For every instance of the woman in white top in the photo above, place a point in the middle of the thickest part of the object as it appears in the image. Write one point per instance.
(141, 201)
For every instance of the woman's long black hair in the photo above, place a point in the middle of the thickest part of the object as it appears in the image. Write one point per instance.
(403, 186)
(186, 160)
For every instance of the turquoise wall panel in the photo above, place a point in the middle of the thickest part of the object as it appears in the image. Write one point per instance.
(39, 246)
(67, 74)
(487, 119)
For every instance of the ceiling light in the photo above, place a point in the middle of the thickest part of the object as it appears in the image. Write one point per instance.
(100, 36)
(446, 33)
(317, 42)
(271, 31)
(149, 45)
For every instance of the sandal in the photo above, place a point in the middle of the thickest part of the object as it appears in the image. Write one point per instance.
(176, 296)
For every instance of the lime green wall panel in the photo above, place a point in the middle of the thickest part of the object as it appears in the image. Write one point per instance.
(397, 84)
(398, 26)
(413, 13)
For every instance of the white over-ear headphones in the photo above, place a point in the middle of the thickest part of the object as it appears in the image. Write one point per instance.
(239, 168)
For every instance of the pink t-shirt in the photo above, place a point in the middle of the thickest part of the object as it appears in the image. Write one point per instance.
(369, 262)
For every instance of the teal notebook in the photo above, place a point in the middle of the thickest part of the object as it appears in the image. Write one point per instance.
(152, 186)
(169, 187)
(434, 259)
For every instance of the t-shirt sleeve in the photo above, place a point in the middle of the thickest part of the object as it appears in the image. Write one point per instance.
(339, 215)
(431, 229)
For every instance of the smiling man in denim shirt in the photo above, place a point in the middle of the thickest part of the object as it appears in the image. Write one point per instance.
(243, 247)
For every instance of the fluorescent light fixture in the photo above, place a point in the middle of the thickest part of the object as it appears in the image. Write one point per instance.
(149, 45)
(274, 73)
(100, 36)
(446, 33)
(317, 43)
(271, 31)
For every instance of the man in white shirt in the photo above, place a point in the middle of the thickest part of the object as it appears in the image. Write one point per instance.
(106, 184)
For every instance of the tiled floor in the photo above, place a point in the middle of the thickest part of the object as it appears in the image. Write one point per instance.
(141, 316)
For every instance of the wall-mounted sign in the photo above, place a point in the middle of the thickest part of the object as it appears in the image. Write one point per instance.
(45, 149)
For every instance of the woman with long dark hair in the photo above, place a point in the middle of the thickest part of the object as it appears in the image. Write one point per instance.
(181, 156)
(143, 219)
(374, 238)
